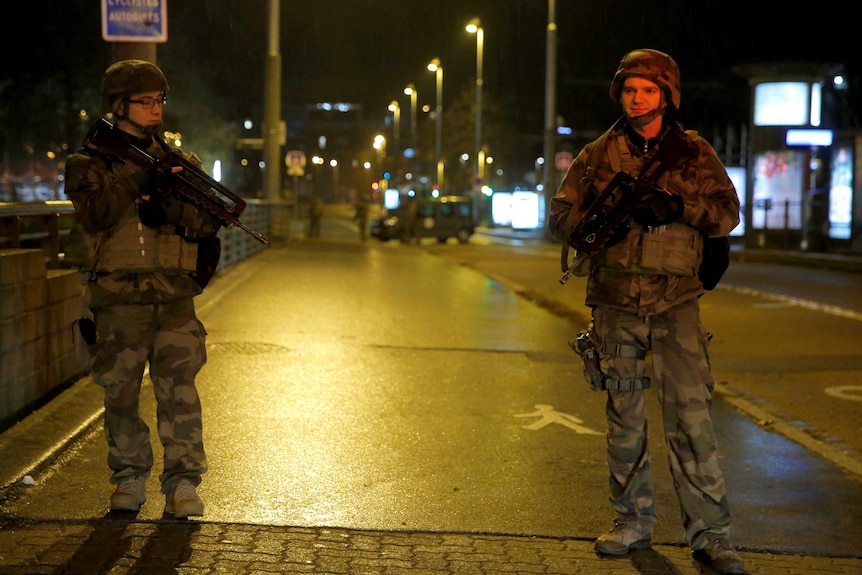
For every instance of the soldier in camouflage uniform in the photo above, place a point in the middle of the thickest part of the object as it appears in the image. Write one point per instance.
(139, 249)
(644, 291)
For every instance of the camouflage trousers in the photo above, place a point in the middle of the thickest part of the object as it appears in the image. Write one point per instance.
(173, 341)
(683, 381)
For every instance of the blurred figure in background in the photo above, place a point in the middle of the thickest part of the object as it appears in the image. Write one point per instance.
(315, 214)
(361, 217)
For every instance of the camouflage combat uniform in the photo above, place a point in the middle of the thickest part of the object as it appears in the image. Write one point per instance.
(644, 292)
(140, 282)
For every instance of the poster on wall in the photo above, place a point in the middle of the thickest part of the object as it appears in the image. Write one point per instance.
(777, 190)
(737, 175)
(841, 193)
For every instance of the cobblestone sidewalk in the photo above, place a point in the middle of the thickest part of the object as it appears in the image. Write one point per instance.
(121, 546)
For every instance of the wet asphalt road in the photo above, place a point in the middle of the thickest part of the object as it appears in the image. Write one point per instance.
(393, 387)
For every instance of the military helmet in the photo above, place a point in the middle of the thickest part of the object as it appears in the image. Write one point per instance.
(651, 65)
(128, 77)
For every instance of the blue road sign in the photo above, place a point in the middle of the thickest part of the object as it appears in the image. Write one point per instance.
(135, 20)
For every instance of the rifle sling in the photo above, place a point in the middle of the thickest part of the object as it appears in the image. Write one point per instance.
(595, 158)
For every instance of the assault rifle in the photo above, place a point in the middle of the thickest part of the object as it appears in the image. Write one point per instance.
(608, 215)
(191, 182)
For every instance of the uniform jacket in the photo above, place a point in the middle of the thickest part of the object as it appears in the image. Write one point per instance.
(125, 261)
(649, 270)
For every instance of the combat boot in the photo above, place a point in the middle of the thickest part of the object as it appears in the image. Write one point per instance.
(720, 554)
(129, 495)
(625, 536)
(184, 501)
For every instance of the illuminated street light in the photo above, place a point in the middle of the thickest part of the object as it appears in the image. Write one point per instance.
(435, 66)
(379, 144)
(411, 91)
(474, 26)
(396, 126)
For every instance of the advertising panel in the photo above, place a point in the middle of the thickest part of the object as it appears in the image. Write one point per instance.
(841, 192)
(778, 190)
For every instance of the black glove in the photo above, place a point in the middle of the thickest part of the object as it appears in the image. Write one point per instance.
(160, 178)
(159, 211)
(153, 213)
(658, 208)
(150, 182)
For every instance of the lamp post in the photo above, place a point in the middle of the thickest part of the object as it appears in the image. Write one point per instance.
(410, 90)
(474, 26)
(379, 144)
(435, 66)
(396, 126)
(550, 107)
(272, 108)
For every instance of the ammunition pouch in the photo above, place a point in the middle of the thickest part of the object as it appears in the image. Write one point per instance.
(585, 346)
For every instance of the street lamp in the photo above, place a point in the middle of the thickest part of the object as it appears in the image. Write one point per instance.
(379, 144)
(548, 190)
(474, 26)
(396, 126)
(410, 90)
(435, 66)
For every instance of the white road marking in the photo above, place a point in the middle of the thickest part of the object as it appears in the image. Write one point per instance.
(851, 392)
(795, 301)
(549, 415)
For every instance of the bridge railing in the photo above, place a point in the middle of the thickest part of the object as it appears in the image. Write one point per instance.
(46, 225)
(40, 296)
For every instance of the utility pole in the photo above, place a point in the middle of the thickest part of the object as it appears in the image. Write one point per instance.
(548, 184)
(272, 109)
(134, 51)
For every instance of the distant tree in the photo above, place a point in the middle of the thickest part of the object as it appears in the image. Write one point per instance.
(500, 139)
(48, 96)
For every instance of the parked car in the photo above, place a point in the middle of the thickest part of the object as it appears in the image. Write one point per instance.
(442, 218)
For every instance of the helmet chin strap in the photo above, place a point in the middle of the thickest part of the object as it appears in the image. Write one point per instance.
(649, 117)
(645, 119)
(146, 130)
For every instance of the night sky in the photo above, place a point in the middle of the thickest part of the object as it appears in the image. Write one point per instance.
(366, 51)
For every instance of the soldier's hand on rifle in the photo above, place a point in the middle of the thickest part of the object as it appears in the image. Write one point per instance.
(658, 208)
(159, 211)
(157, 208)
(159, 179)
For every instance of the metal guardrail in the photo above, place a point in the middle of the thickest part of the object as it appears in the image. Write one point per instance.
(46, 225)
(38, 225)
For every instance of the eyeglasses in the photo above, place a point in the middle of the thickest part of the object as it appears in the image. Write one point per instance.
(148, 103)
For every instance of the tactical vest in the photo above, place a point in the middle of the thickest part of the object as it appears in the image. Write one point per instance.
(134, 247)
(674, 249)
(131, 246)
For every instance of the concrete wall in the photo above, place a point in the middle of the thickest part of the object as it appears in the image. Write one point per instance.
(40, 351)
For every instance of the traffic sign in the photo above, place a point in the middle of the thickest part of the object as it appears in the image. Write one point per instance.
(562, 160)
(249, 143)
(135, 20)
(295, 162)
(295, 158)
